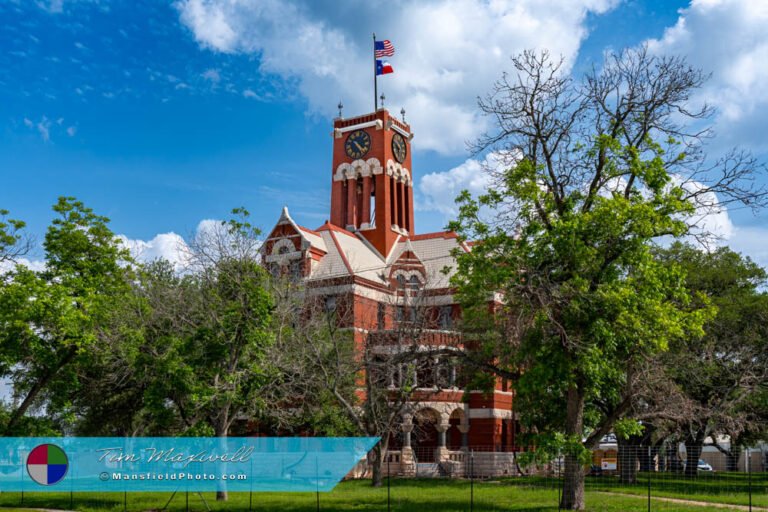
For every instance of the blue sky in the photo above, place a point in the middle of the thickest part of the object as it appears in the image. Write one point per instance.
(163, 114)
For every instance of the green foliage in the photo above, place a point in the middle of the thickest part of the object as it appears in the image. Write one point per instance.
(551, 447)
(50, 320)
(566, 235)
(582, 280)
(10, 234)
(627, 428)
(38, 426)
(187, 352)
(722, 375)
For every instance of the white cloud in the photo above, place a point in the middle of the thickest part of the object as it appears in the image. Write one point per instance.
(36, 265)
(751, 241)
(710, 224)
(52, 6)
(44, 129)
(168, 246)
(212, 75)
(447, 51)
(439, 189)
(728, 39)
(47, 128)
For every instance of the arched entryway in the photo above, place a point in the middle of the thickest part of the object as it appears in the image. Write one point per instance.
(424, 439)
(454, 435)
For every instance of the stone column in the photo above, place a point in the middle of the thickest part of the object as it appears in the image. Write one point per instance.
(394, 191)
(351, 200)
(401, 204)
(441, 430)
(365, 221)
(441, 453)
(407, 428)
(407, 464)
(464, 429)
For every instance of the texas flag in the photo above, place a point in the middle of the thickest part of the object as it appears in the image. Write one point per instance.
(383, 67)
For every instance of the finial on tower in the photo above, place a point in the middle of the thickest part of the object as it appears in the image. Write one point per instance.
(382, 98)
(402, 113)
(341, 107)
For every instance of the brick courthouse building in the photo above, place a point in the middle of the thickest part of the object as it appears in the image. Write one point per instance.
(365, 253)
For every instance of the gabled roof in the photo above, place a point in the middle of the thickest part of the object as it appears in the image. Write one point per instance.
(434, 250)
(346, 253)
(309, 238)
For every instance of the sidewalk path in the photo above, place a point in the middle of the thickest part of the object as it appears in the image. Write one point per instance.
(709, 504)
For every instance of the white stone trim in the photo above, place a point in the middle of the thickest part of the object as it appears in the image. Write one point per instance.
(377, 123)
(496, 392)
(400, 173)
(275, 256)
(407, 275)
(357, 168)
(444, 409)
(387, 298)
(402, 132)
(490, 414)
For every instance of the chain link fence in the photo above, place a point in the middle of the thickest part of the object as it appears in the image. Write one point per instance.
(619, 478)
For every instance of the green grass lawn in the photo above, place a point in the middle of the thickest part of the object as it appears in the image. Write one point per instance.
(410, 495)
(730, 488)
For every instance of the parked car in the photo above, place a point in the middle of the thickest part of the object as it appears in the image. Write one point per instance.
(704, 466)
(595, 470)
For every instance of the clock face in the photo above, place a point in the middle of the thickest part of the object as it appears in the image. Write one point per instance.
(358, 143)
(399, 147)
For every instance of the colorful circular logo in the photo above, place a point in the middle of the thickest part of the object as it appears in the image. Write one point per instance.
(47, 464)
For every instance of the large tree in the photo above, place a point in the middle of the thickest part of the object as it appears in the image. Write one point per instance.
(370, 379)
(51, 319)
(712, 386)
(595, 171)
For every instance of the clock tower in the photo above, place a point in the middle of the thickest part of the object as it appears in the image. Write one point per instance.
(372, 187)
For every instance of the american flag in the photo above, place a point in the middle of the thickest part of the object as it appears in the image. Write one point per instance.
(384, 49)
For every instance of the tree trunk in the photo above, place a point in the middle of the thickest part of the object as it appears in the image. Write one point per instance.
(732, 457)
(39, 386)
(222, 431)
(628, 453)
(376, 461)
(573, 484)
(693, 446)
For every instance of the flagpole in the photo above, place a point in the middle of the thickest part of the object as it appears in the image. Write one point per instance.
(375, 76)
